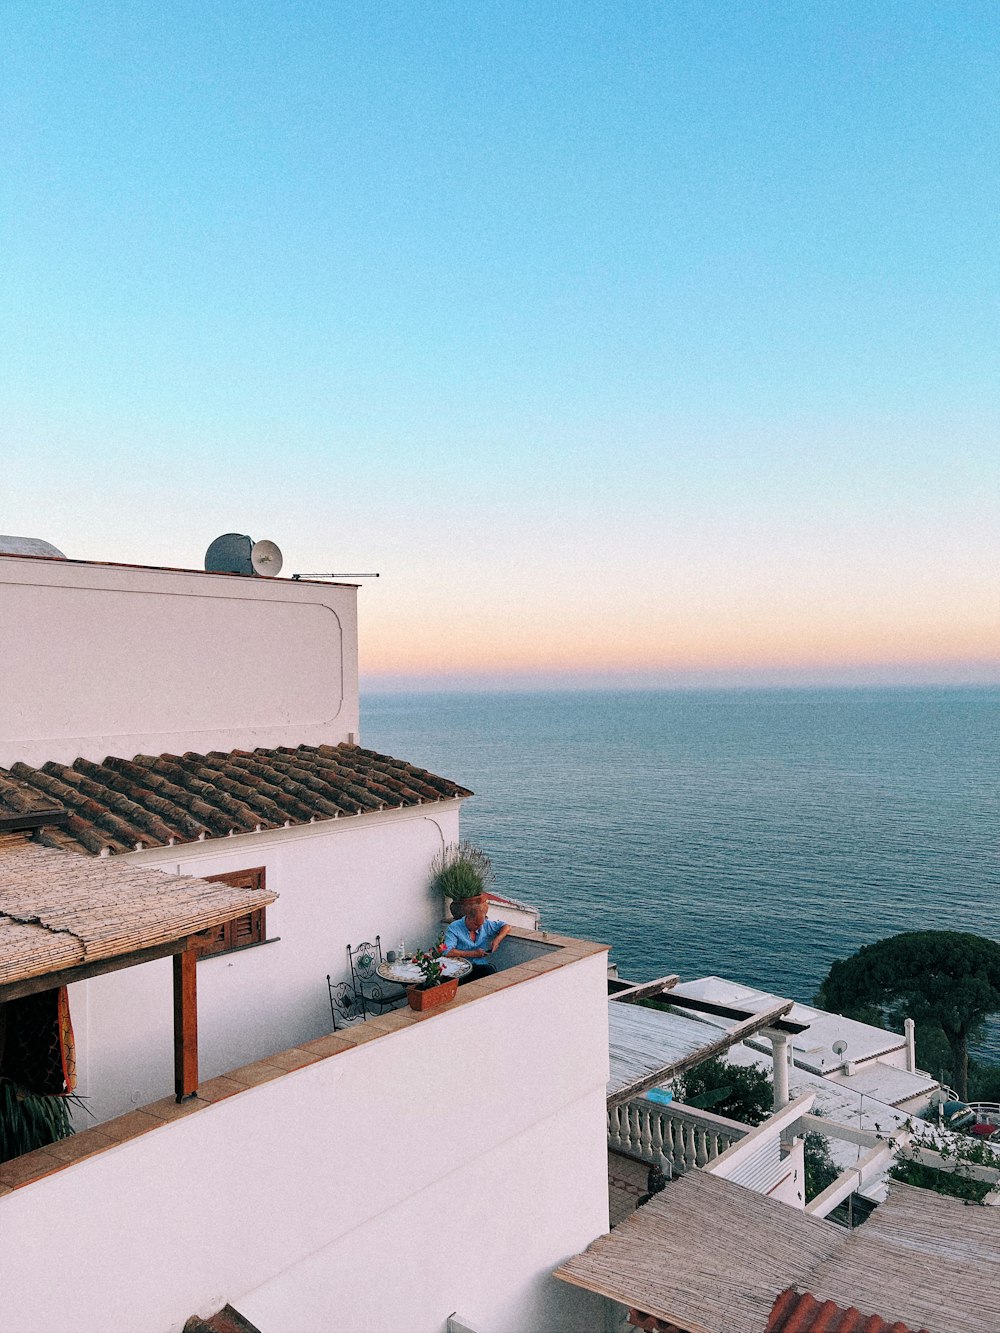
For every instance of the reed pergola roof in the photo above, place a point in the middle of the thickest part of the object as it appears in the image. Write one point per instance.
(64, 917)
(710, 1256)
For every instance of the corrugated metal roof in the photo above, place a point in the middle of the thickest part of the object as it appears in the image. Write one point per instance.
(813, 1048)
(159, 800)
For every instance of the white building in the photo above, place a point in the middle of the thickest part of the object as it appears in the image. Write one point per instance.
(383, 1177)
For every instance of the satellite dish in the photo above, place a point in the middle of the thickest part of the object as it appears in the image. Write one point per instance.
(839, 1047)
(266, 559)
(230, 554)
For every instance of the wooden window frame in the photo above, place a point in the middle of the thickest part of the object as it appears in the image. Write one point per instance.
(243, 932)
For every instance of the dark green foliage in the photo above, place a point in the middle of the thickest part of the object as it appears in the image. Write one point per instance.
(28, 1121)
(940, 978)
(745, 1091)
(821, 1169)
(952, 1183)
(984, 1082)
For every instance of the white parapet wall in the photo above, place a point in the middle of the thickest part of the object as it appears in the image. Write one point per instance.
(120, 660)
(447, 1165)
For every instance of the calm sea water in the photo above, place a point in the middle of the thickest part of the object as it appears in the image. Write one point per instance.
(758, 835)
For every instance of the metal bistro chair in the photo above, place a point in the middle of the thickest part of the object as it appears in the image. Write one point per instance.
(374, 993)
(345, 1007)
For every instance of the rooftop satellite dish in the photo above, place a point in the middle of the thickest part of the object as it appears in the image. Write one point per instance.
(266, 559)
(230, 554)
(839, 1047)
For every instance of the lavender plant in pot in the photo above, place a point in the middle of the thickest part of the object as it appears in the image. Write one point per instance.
(463, 874)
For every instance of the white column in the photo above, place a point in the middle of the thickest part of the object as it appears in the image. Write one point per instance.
(910, 1029)
(779, 1060)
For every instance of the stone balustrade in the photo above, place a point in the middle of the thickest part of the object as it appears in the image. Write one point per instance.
(681, 1135)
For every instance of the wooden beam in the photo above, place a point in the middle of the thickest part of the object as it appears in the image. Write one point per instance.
(13, 990)
(786, 1025)
(185, 1024)
(644, 990)
(18, 820)
(730, 1037)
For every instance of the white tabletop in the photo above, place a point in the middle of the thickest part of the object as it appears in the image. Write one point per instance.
(406, 973)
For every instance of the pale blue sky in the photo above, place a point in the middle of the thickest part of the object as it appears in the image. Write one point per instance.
(635, 337)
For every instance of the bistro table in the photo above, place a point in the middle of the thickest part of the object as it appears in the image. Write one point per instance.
(405, 972)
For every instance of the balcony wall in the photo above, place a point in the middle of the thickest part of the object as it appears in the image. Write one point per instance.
(429, 1164)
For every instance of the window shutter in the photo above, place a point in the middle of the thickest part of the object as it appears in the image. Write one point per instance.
(249, 929)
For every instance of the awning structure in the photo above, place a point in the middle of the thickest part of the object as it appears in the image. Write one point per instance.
(650, 1046)
(66, 918)
(709, 1256)
(63, 914)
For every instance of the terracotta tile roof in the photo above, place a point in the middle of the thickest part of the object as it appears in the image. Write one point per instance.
(158, 800)
(23, 806)
(801, 1312)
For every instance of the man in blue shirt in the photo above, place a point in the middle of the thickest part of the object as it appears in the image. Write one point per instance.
(474, 937)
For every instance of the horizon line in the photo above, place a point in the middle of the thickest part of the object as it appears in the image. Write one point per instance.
(895, 676)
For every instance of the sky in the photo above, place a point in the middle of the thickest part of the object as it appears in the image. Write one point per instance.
(631, 343)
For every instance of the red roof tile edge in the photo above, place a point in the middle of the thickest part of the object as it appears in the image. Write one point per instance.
(800, 1312)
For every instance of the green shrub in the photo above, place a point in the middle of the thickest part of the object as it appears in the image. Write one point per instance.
(739, 1092)
(821, 1169)
(952, 1183)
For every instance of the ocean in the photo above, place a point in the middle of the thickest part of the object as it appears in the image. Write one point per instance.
(755, 834)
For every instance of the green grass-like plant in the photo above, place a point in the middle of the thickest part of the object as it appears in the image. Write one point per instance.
(461, 870)
(28, 1121)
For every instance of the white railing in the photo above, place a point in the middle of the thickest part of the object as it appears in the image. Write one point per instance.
(682, 1135)
(988, 1112)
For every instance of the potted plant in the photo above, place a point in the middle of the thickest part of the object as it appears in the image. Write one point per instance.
(435, 988)
(463, 874)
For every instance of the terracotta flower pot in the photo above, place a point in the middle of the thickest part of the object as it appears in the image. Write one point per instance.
(429, 999)
(459, 906)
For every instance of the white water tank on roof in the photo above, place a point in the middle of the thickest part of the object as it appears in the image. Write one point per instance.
(28, 546)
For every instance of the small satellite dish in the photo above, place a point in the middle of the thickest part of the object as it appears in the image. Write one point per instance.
(266, 559)
(230, 554)
(839, 1047)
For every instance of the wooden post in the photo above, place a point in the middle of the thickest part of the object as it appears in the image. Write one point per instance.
(185, 1024)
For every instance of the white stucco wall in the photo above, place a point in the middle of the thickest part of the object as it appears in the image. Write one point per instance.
(100, 660)
(339, 881)
(358, 1193)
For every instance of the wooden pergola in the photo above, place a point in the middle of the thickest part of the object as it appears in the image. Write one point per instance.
(710, 1256)
(66, 918)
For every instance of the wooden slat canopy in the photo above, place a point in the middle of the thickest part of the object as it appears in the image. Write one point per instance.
(711, 1256)
(649, 1046)
(64, 917)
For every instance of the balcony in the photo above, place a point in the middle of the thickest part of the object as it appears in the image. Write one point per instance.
(284, 1179)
